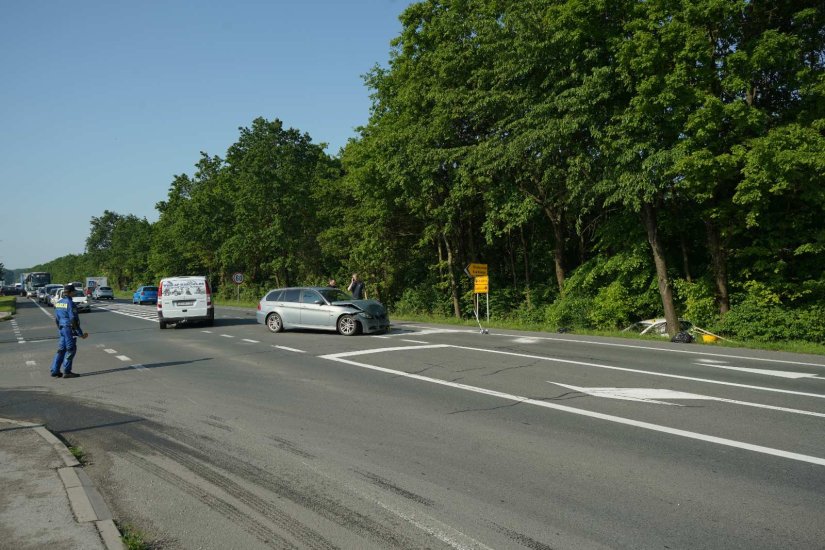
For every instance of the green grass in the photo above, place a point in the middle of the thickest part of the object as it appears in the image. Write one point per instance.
(8, 304)
(131, 537)
(793, 347)
(79, 454)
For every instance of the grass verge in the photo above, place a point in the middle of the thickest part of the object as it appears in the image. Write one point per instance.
(8, 304)
(787, 346)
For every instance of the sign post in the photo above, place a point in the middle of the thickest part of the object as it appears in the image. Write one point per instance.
(237, 278)
(481, 285)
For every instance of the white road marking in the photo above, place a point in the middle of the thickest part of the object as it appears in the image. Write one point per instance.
(227, 335)
(526, 340)
(110, 351)
(582, 412)
(379, 336)
(250, 341)
(663, 350)
(383, 350)
(49, 315)
(122, 357)
(654, 395)
(31, 363)
(639, 371)
(414, 341)
(711, 361)
(779, 373)
(290, 349)
(207, 331)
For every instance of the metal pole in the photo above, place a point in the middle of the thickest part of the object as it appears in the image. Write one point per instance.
(488, 306)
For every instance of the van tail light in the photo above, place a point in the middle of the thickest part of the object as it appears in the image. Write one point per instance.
(208, 294)
(160, 295)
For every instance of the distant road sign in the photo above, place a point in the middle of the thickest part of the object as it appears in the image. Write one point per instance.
(237, 278)
(481, 285)
(476, 270)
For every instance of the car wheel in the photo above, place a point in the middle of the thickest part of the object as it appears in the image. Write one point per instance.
(162, 325)
(347, 325)
(274, 323)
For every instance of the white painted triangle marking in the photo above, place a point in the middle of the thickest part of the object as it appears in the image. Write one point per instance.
(652, 395)
(647, 395)
(779, 373)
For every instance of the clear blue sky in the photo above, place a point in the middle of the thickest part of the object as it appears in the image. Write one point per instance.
(103, 102)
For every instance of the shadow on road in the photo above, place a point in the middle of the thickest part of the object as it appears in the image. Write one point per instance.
(149, 366)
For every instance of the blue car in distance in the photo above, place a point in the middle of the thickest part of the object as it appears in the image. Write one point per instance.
(145, 295)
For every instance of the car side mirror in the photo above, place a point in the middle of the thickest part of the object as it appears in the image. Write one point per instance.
(319, 302)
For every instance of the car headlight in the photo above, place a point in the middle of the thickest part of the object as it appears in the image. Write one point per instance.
(365, 315)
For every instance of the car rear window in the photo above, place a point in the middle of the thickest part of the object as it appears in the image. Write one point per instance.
(150, 289)
(105, 288)
(273, 296)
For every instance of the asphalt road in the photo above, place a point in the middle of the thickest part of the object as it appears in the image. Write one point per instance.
(428, 437)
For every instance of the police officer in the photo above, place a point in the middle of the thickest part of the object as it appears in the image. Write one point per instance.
(68, 325)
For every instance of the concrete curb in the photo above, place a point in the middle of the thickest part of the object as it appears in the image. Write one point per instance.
(86, 502)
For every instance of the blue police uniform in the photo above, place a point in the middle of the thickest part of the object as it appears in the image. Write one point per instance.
(68, 324)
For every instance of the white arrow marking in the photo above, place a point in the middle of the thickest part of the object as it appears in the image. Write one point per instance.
(652, 395)
(572, 410)
(780, 373)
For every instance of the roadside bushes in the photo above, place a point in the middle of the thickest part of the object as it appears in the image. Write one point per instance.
(752, 320)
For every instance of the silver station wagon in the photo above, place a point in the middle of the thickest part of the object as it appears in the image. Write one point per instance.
(321, 308)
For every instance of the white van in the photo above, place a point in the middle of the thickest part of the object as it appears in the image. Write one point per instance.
(185, 300)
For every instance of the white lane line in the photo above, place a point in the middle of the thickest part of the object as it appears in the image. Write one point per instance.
(592, 414)
(712, 361)
(207, 331)
(290, 349)
(413, 341)
(664, 350)
(639, 371)
(122, 357)
(49, 315)
(655, 395)
(779, 373)
(227, 335)
(110, 351)
(250, 341)
(31, 363)
(378, 336)
(382, 350)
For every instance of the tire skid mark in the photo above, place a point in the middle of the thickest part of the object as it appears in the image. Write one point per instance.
(307, 536)
(301, 495)
(389, 486)
(523, 540)
(263, 533)
(290, 447)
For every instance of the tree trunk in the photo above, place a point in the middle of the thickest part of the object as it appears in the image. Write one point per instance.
(453, 282)
(685, 262)
(558, 244)
(652, 228)
(526, 269)
(720, 269)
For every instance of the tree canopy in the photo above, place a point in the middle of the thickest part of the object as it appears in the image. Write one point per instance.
(609, 159)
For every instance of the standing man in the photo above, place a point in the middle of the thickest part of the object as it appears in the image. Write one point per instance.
(356, 286)
(68, 326)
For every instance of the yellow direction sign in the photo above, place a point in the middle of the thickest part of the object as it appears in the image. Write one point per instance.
(476, 270)
(481, 285)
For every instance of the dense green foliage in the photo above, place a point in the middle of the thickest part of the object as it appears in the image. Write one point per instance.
(609, 159)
